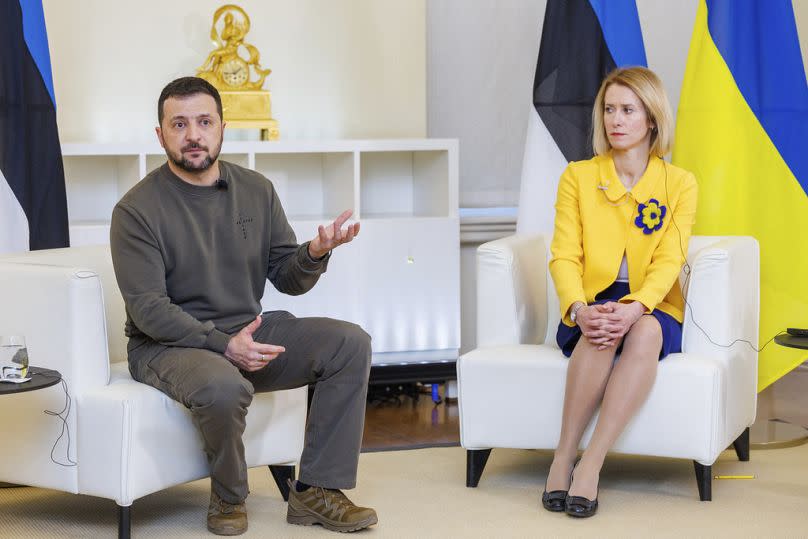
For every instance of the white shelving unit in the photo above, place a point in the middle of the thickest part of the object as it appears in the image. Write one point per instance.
(399, 280)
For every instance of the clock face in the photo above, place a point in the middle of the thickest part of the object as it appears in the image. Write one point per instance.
(234, 72)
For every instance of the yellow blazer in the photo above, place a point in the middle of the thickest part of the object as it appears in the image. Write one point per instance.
(596, 223)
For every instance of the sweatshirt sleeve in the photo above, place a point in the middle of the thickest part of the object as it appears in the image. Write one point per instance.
(567, 262)
(290, 268)
(141, 275)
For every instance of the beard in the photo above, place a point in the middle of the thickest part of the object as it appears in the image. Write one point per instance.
(185, 164)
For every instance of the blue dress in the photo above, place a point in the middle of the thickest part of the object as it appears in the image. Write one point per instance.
(567, 337)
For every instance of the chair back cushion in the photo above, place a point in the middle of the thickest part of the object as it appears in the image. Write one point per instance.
(98, 260)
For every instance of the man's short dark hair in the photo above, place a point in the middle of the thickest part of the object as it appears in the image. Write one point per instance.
(184, 87)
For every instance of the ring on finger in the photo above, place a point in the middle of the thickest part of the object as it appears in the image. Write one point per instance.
(262, 357)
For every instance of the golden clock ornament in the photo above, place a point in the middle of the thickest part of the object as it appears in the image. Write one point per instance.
(238, 77)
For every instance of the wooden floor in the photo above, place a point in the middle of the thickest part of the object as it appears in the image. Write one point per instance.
(410, 424)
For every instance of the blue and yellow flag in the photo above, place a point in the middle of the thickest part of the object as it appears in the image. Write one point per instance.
(742, 128)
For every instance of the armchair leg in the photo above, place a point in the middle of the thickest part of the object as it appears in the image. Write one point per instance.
(280, 474)
(741, 445)
(704, 479)
(475, 464)
(124, 522)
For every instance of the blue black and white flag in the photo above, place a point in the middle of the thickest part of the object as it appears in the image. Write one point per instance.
(581, 42)
(33, 203)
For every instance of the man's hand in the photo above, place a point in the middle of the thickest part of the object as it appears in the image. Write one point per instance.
(247, 354)
(332, 235)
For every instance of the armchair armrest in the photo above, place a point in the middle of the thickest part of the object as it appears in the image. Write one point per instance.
(60, 311)
(722, 310)
(723, 296)
(512, 291)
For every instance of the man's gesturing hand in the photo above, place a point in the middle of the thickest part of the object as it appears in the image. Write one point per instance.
(332, 235)
(247, 354)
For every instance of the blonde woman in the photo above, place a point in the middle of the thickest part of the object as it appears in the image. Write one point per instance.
(623, 221)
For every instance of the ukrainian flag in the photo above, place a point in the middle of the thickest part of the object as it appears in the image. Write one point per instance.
(742, 128)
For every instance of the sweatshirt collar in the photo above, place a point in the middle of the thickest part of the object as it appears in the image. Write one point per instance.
(191, 189)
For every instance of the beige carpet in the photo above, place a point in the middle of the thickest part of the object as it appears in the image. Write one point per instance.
(422, 493)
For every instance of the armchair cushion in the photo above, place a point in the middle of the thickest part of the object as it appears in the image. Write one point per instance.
(524, 388)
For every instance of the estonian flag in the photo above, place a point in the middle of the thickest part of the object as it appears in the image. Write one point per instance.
(581, 42)
(742, 129)
(33, 204)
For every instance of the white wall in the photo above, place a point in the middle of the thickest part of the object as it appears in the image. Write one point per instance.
(481, 61)
(481, 58)
(340, 68)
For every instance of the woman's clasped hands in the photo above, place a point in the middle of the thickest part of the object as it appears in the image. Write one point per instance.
(604, 325)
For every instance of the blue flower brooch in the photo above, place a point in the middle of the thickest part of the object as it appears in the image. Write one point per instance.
(650, 216)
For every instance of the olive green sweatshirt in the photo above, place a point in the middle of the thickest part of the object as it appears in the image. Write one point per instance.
(191, 261)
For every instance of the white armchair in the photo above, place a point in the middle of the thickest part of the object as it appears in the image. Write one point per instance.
(511, 388)
(127, 439)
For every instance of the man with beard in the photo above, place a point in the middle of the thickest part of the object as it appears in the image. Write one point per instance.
(192, 245)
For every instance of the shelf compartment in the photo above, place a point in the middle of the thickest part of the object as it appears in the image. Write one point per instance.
(404, 184)
(311, 186)
(95, 183)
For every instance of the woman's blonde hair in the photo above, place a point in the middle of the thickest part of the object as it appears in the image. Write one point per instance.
(648, 87)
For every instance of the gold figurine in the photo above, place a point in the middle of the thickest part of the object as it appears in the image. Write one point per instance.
(244, 103)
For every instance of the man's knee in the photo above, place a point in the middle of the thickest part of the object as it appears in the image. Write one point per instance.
(358, 338)
(223, 396)
(355, 343)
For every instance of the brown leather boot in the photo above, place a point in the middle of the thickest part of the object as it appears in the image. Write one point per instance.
(328, 507)
(226, 518)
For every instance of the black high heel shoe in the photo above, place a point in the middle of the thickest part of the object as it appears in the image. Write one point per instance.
(556, 500)
(579, 506)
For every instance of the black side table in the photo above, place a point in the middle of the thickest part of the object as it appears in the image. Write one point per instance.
(792, 341)
(778, 433)
(40, 379)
